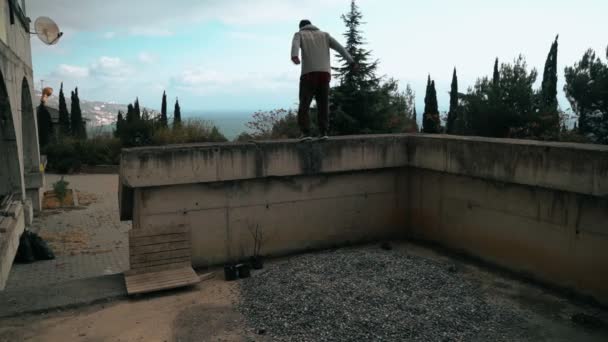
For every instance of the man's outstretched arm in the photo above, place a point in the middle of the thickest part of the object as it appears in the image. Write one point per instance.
(340, 49)
(295, 48)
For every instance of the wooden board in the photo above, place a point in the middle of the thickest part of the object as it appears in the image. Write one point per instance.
(147, 257)
(159, 247)
(172, 264)
(162, 280)
(152, 231)
(135, 241)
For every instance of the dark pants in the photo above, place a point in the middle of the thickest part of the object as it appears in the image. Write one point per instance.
(314, 85)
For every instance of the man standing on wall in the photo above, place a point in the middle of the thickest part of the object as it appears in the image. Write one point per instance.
(316, 73)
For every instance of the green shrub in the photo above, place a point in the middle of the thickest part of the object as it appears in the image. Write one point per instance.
(189, 131)
(68, 155)
(61, 188)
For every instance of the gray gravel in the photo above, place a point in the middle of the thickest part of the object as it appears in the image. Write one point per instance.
(370, 294)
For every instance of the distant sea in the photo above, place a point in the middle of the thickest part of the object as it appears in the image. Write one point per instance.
(230, 123)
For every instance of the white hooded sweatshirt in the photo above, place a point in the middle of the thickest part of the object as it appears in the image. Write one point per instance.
(315, 45)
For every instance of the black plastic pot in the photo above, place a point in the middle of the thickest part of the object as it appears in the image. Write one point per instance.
(230, 272)
(243, 270)
(257, 263)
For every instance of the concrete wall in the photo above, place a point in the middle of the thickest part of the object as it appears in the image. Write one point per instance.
(20, 134)
(20, 172)
(540, 209)
(532, 207)
(303, 196)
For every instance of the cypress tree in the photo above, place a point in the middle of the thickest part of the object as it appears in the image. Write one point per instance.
(163, 111)
(45, 125)
(496, 75)
(120, 122)
(64, 115)
(130, 113)
(177, 114)
(430, 116)
(548, 92)
(415, 117)
(453, 113)
(434, 105)
(77, 124)
(136, 111)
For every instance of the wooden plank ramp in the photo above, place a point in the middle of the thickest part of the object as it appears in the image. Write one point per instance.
(161, 280)
(160, 259)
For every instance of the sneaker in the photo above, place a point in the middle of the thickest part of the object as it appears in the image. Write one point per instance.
(324, 137)
(305, 137)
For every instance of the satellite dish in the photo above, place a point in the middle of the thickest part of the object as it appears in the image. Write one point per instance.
(47, 30)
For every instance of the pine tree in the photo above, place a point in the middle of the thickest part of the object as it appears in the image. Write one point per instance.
(77, 124)
(64, 115)
(585, 88)
(177, 114)
(356, 97)
(453, 113)
(136, 112)
(363, 77)
(548, 93)
(163, 111)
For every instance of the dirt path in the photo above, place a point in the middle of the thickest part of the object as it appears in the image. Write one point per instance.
(202, 313)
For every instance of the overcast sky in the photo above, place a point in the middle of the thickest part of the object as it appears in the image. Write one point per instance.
(234, 54)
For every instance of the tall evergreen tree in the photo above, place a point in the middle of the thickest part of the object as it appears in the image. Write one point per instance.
(496, 75)
(434, 104)
(45, 125)
(163, 111)
(136, 112)
(64, 115)
(77, 124)
(120, 123)
(177, 114)
(453, 113)
(361, 102)
(430, 117)
(415, 117)
(549, 120)
(364, 76)
(130, 113)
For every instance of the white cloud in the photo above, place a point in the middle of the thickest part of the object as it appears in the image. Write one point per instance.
(146, 57)
(203, 81)
(111, 68)
(71, 71)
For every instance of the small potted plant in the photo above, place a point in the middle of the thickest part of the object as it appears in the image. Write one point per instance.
(256, 260)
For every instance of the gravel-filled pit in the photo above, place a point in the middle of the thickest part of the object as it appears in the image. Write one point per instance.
(370, 294)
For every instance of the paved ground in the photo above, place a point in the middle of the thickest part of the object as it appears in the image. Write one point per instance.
(210, 310)
(88, 241)
(73, 293)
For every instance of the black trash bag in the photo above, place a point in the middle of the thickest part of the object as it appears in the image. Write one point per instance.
(42, 251)
(25, 252)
